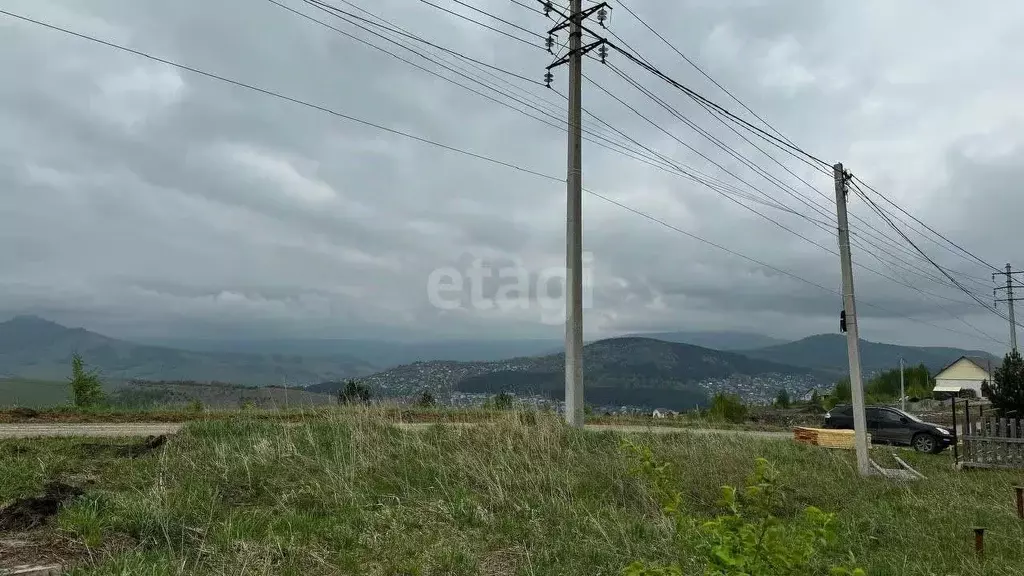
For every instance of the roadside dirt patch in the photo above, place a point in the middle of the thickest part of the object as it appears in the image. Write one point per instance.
(29, 513)
(23, 413)
(148, 445)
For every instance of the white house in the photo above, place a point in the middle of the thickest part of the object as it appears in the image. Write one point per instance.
(966, 373)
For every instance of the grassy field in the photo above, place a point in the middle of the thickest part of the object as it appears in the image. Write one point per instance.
(390, 413)
(348, 494)
(33, 393)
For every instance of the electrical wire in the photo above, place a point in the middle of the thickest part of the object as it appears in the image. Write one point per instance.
(499, 19)
(441, 145)
(701, 70)
(717, 107)
(618, 147)
(962, 251)
(889, 221)
(478, 23)
(711, 105)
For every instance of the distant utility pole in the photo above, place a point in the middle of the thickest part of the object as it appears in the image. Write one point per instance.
(574, 198)
(903, 394)
(1009, 300)
(849, 322)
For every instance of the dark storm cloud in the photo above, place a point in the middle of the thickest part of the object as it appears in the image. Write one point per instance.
(142, 199)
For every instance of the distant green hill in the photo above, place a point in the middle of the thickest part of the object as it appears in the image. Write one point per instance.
(828, 352)
(716, 339)
(34, 348)
(618, 371)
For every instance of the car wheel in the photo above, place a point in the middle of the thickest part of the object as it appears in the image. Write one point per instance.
(925, 442)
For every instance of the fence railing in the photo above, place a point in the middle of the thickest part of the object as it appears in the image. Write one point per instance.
(991, 442)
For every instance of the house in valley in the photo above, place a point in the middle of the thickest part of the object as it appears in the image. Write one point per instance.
(966, 373)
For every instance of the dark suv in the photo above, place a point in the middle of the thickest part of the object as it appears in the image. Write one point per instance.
(888, 425)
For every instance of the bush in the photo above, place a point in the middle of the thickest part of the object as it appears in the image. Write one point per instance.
(85, 384)
(748, 538)
(195, 406)
(354, 392)
(503, 401)
(728, 407)
(426, 400)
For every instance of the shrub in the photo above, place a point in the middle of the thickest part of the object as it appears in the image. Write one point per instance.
(748, 538)
(426, 400)
(728, 407)
(503, 401)
(85, 384)
(354, 392)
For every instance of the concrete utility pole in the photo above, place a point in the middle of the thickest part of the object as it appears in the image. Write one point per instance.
(1010, 299)
(574, 226)
(903, 393)
(574, 198)
(852, 332)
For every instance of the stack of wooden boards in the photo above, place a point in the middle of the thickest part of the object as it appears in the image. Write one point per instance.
(827, 438)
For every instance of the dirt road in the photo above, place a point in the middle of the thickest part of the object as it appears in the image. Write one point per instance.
(157, 428)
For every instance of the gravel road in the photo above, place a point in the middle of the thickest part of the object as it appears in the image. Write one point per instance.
(157, 428)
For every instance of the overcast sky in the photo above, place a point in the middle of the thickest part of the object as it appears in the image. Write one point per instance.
(142, 200)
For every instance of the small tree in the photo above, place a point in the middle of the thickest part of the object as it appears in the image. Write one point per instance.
(782, 399)
(354, 392)
(1007, 388)
(426, 399)
(503, 401)
(85, 384)
(815, 398)
(728, 407)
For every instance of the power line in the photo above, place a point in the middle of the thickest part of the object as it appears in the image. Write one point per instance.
(478, 23)
(889, 221)
(707, 103)
(881, 236)
(402, 32)
(528, 7)
(280, 96)
(961, 249)
(701, 70)
(617, 147)
(718, 108)
(499, 19)
(654, 97)
(447, 147)
(776, 269)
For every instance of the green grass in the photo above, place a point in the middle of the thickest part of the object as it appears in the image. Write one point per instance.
(349, 494)
(33, 393)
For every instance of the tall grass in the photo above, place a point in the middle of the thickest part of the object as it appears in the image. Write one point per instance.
(352, 494)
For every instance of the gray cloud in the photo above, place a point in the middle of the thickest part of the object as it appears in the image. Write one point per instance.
(145, 200)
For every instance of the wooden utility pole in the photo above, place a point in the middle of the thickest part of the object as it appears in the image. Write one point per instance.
(852, 332)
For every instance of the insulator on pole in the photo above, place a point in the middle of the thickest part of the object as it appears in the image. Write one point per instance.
(602, 15)
(548, 77)
(548, 8)
(602, 51)
(550, 43)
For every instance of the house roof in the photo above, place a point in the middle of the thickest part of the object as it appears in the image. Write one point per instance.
(978, 361)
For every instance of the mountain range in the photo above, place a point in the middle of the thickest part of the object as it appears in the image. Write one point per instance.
(665, 369)
(827, 353)
(32, 347)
